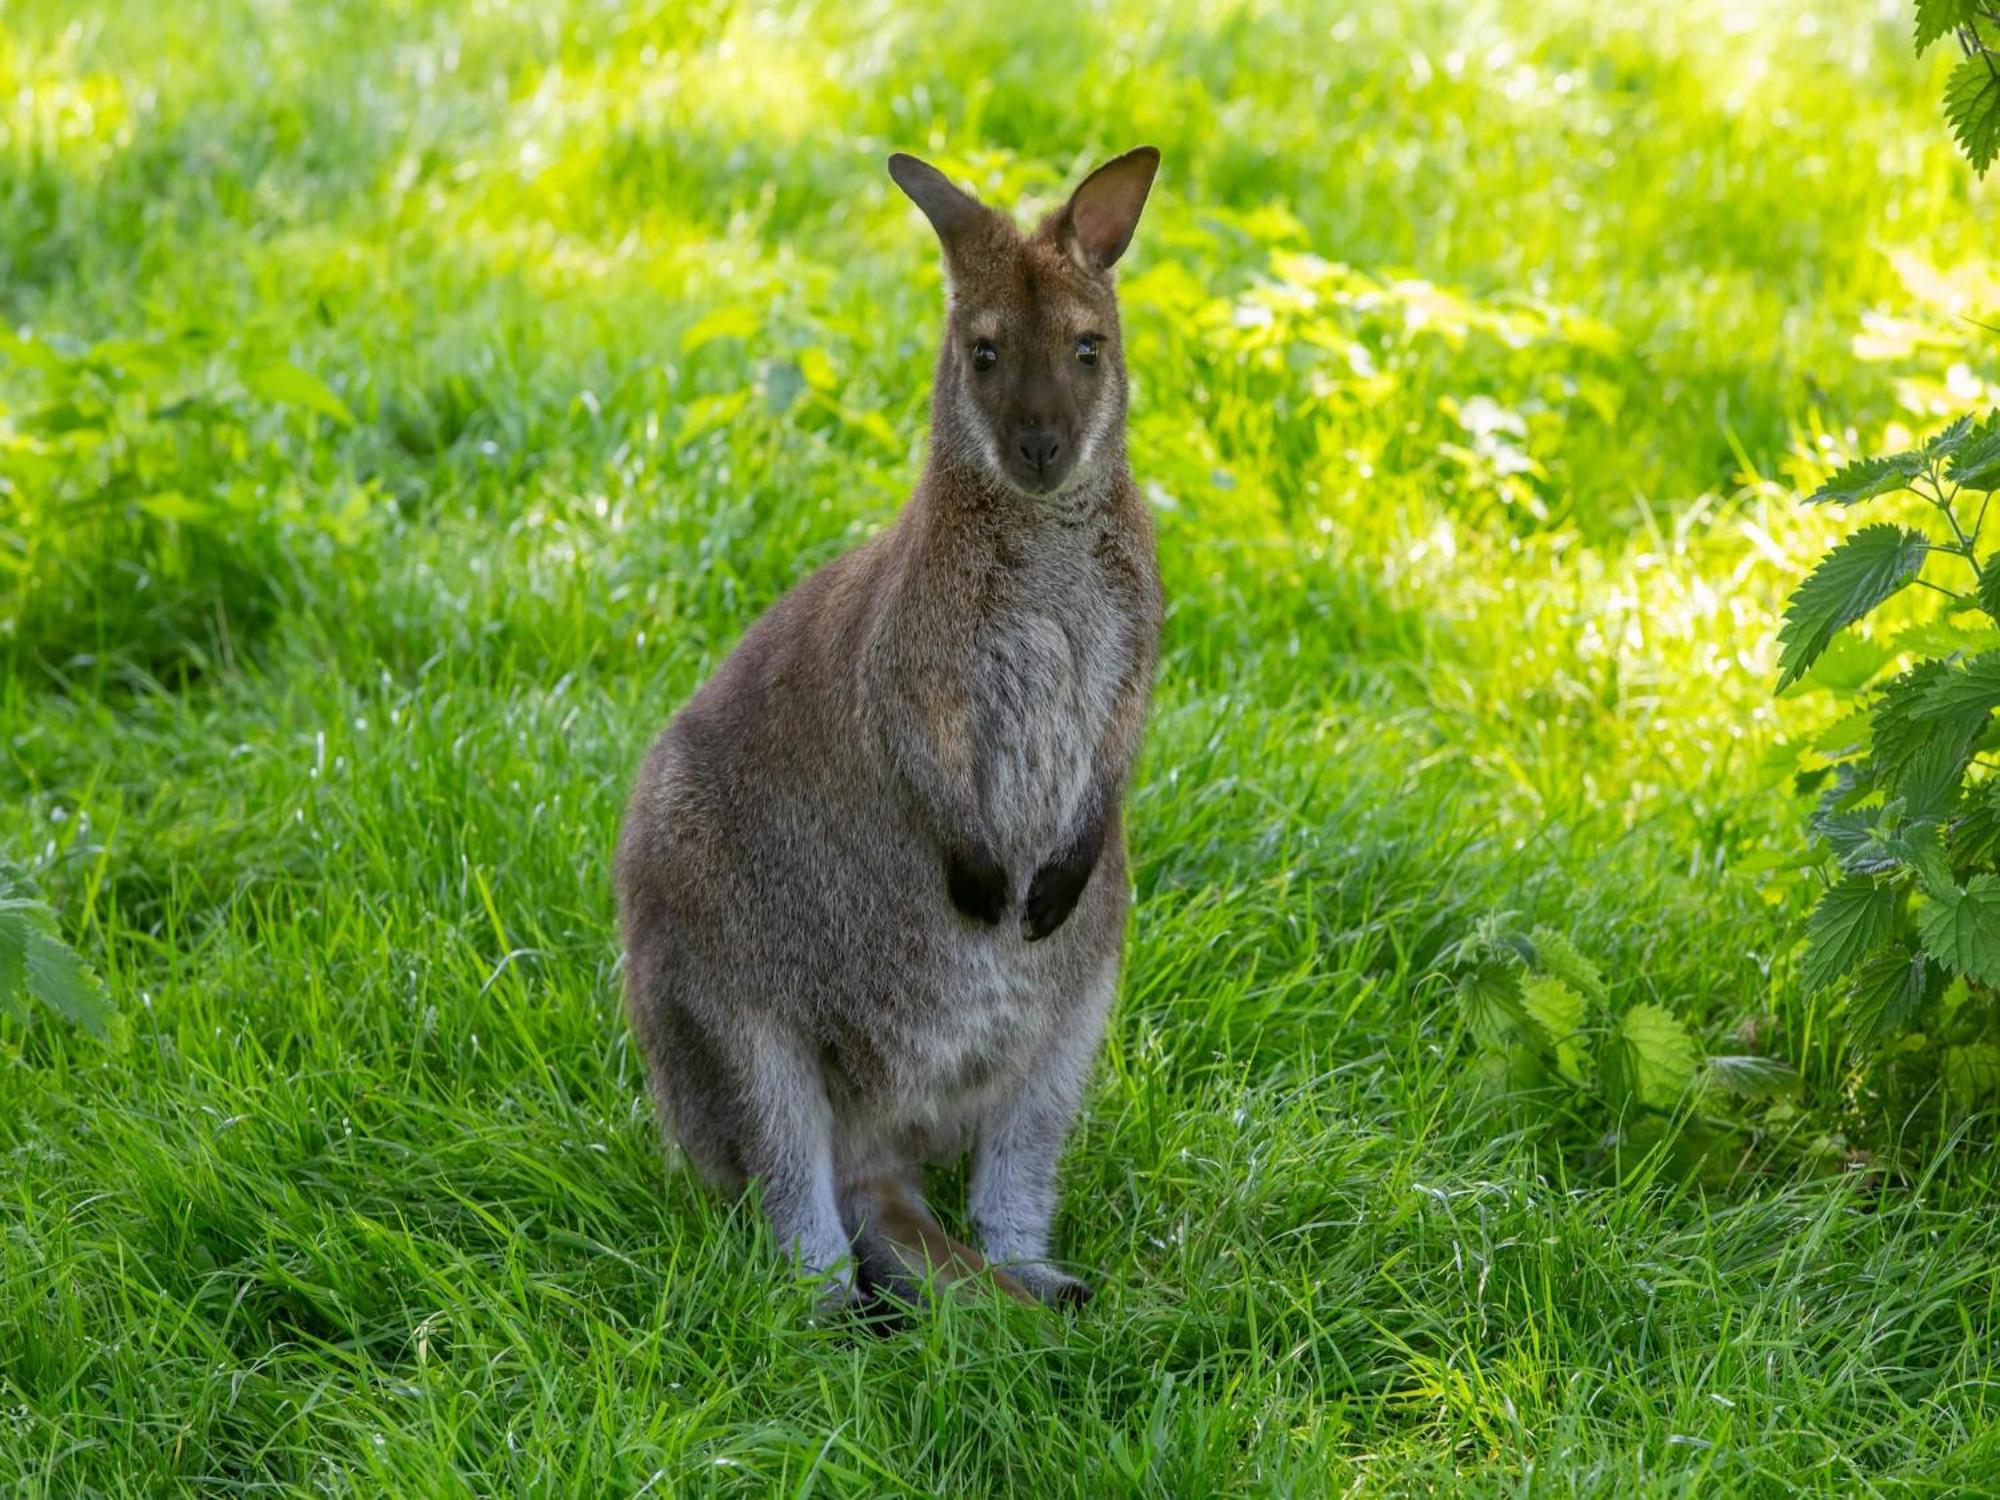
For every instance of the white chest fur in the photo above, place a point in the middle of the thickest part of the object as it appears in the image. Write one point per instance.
(1046, 676)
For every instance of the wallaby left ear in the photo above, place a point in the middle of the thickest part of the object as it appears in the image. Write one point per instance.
(1097, 224)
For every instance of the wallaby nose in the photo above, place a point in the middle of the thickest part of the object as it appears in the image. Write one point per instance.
(1040, 447)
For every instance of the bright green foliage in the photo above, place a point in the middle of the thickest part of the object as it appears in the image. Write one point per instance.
(1650, 1059)
(1972, 105)
(1855, 577)
(37, 965)
(1852, 920)
(1972, 93)
(1936, 17)
(1547, 1036)
(1912, 808)
(1480, 355)
(1961, 929)
(1865, 478)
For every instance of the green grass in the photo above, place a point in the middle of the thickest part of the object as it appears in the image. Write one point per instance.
(1479, 353)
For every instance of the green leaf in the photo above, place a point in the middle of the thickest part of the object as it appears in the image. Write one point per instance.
(1972, 105)
(1857, 840)
(1971, 688)
(1975, 462)
(59, 978)
(14, 928)
(1859, 574)
(1975, 838)
(705, 414)
(288, 385)
(1961, 930)
(1556, 954)
(1920, 756)
(1490, 999)
(1936, 17)
(1515, 1068)
(1751, 1077)
(1890, 993)
(1650, 1059)
(35, 962)
(1865, 478)
(1918, 846)
(1989, 585)
(1851, 921)
(738, 320)
(1948, 439)
(1558, 1010)
(1972, 1071)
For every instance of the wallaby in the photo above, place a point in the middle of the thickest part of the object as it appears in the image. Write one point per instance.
(872, 878)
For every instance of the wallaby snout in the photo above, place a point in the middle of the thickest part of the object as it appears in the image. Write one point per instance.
(1041, 448)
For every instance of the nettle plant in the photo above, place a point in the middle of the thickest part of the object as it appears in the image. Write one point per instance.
(1905, 938)
(1553, 1047)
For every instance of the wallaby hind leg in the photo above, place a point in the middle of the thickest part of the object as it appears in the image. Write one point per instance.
(786, 1144)
(899, 1247)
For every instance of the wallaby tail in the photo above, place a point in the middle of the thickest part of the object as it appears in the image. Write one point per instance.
(900, 1247)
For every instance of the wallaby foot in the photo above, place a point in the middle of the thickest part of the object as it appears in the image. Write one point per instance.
(1047, 1285)
(900, 1250)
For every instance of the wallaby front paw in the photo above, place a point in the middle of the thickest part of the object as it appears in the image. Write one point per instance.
(978, 885)
(1052, 896)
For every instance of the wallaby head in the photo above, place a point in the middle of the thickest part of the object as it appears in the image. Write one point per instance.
(1031, 380)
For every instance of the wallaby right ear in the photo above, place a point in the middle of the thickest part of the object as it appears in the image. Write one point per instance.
(949, 209)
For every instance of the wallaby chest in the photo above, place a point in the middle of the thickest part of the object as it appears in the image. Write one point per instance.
(1044, 667)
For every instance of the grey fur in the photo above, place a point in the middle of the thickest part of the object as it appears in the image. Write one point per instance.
(844, 871)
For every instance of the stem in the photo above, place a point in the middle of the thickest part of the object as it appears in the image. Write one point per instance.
(1940, 588)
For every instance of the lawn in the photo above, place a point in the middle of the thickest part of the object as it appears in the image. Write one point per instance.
(407, 403)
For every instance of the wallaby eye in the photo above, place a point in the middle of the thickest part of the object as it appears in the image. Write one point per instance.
(985, 355)
(1086, 348)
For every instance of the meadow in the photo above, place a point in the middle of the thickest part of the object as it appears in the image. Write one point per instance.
(403, 404)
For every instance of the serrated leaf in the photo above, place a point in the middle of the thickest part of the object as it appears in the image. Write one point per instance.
(1975, 838)
(1870, 566)
(37, 964)
(282, 381)
(59, 978)
(1920, 756)
(1948, 439)
(1936, 17)
(1847, 735)
(1489, 997)
(1851, 921)
(1975, 462)
(1866, 478)
(1961, 929)
(1971, 688)
(1856, 840)
(1650, 1059)
(1558, 1010)
(1890, 993)
(1972, 1071)
(1989, 585)
(1516, 1068)
(1919, 847)
(1751, 1077)
(1556, 954)
(1972, 105)
(14, 929)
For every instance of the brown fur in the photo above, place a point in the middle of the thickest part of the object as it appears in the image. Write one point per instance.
(872, 879)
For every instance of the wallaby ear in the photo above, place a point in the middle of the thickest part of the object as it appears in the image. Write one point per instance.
(948, 208)
(1104, 210)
